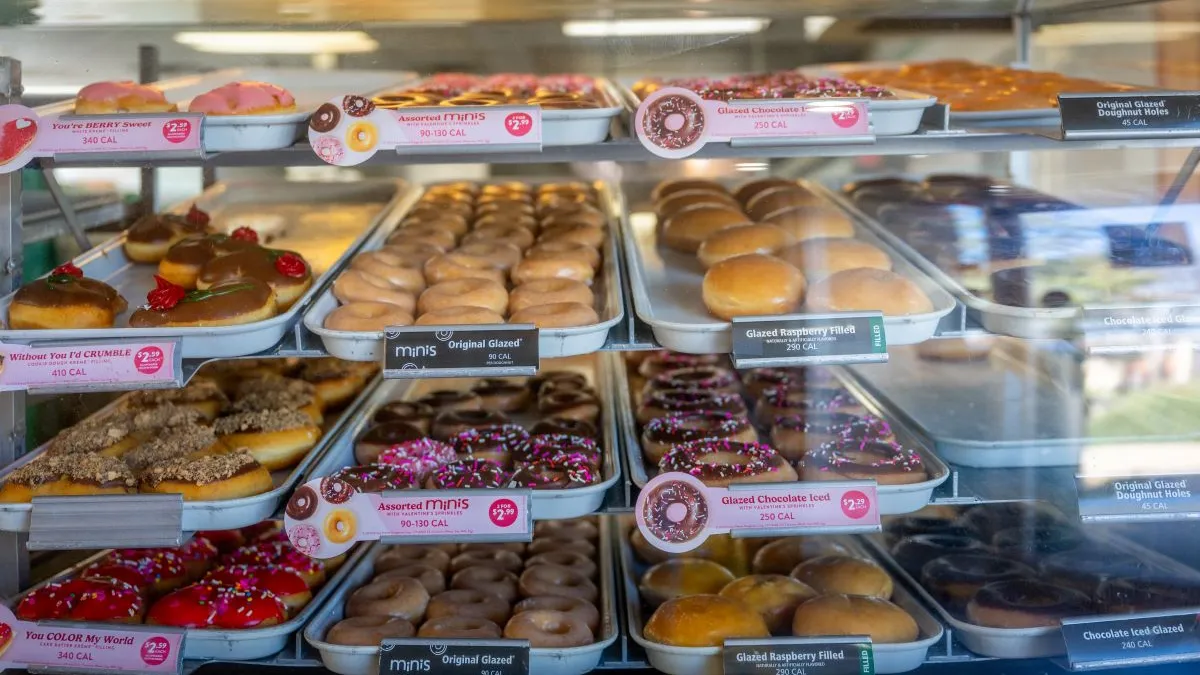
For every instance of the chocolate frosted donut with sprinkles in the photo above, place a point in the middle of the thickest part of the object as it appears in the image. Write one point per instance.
(546, 446)
(699, 378)
(679, 402)
(673, 122)
(469, 473)
(885, 462)
(722, 463)
(671, 524)
(662, 433)
(797, 400)
(794, 435)
(495, 443)
(375, 478)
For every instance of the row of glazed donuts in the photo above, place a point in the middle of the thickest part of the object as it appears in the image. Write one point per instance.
(546, 592)
(463, 246)
(552, 92)
(699, 416)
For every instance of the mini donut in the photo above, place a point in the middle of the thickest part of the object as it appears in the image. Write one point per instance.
(557, 315)
(495, 443)
(548, 629)
(569, 559)
(497, 558)
(460, 627)
(469, 603)
(460, 265)
(426, 232)
(458, 316)
(395, 557)
(509, 234)
(359, 286)
(566, 216)
(433, 580)
(549, 292)
(580, 405)
(404, 598)
(581, 609)
(564, 426)
(448, 425)
(551, 267)
(419, 415)
(368, 631)
(367, 317)
(575, 528)
(549, 544)
(392, 268)
(555, 580)
(503, 256)
(502, 204)
(501, 394)
(494, 580)
(574, 234)
(700, 378)
(452, 399)
(565, 249)
(340, 526)
(483, 293)
(451, 222)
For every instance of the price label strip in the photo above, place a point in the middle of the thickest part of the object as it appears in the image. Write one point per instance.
(90, 365)
(460, 351)
(454, 657)
(326, 516)
(1131, 640)
(676, 512)
(24, 135)
(799, 656)
(675, 123)
(1131, 498)
(76, 648)
(809, 339)
(349, 130)
(1130, 115)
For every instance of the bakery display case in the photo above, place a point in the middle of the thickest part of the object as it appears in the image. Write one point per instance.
(777, 338)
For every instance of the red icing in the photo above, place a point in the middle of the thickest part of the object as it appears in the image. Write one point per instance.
(158, 563)
(196, 216)
(260, 530)
(281, 581)
(189, 607)
(82, 600)
(224, 540)
(15, 136)
(69, 269)
(211, 605)
(165, 294)
(245, 234)
(199, 548)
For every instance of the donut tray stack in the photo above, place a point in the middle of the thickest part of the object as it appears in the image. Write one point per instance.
(631, 383)
(546, 503)
(725, 558)
(1032, 550)
(363, 660)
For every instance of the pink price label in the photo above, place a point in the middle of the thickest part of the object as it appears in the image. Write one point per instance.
(326, 516)
(674, 122)
(85, 647)
(51, 367)
(676, 512)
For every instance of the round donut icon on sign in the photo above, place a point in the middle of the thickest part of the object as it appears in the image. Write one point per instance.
(672, 512)
(671, 123)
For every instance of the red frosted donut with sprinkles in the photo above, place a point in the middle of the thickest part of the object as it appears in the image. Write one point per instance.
(722, 463)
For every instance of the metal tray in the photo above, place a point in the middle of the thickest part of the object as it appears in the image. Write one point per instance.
(889, 658)
(546, 504)
(346, 660)
(552, 342)
(224, 514)
(1013, 643)
(108, 263)
(893, 499)
(666, 294)
(223, 644)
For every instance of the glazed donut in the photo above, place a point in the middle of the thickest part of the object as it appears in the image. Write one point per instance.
(722, 463)
(404, 598)
(392, 268)
(794, 435)
(451, 423)
(359, 286)
(551, 267)
(502, 394)
(589, 217)
(340, 526)
(669, 187)
(474, 292)
(548, 629)
(451, 222)
(498, 558)
(673, 203)
(700, 378)
(662, 433)
(433, 580)
(367, 317)
(845, 574)
(569, 559)
(549, 292)
(469, 603)
(503, 204)
(495, 443)
(459, 316)
(459, 265)
(1026, 603)
(557, 315)
(886, 462)
(574, 234)
(580, 609)
(555, 580)
(565, 249)
(488, 579)
(395, 557)
(954, 579)
(413, 254)
(506, 219)
(575, 528)
(544, 544)
(460, 627)
(508, 234)
(502, 256)
(680, 577)
(426, 233)
(368, 631)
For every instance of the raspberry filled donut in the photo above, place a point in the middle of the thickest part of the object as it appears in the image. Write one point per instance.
(722, 463)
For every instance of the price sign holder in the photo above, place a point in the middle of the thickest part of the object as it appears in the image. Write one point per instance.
(64, 366)
(809, 339)
(851, 655)
(1130, 115)
(454, 657)
(128, 521)
(1138, 498)
(73, 647)
(460, 351)
(1095, 643)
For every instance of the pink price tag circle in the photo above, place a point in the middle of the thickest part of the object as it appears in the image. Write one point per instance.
(855, 504)
(503, 512)
(156, 651)
(845, 117)
(177, 130)
(518, 124)
(149, 360)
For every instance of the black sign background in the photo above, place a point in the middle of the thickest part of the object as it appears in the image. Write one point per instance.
(1139, 497)
(453, 657)
(783, 655)
(1106, 115)
(413, 351)
(1130, 641)
(868, 342)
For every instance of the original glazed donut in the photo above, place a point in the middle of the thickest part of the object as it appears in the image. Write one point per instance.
(484, 293)
(460, 627)
(568, 559)
(1025, 603)
(426, 232)
(340, 526)
(545, 544)
(460, 316)
(506, 219)
(402, 598)
(494, 443)
(507, 234)
(392, 268)
(547, 628)
(433, 580)
(451, 423)
(468, 603)
(368, 631)
(412, 254)
(565, 249)
(552, 267)
(394, 557)
(458, 265)
(662, 433)
(886, 462)
(498, 558)
(721, 463)
(488, 579)
(451, 222)
(359, 286)
(575, 528)
(503, 256)
(362, 136)
(664, 403)
(555, 580)
(573, 233)
(580, 609)
(673, 122)
(367, 317)
(557, 315)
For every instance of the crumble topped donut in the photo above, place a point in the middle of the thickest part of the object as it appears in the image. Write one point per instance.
(886, 462)
(721, 463)
(181, 441)
(662, 433)
(470, 473)
(207, 477)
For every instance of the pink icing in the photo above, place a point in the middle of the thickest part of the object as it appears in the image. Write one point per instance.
(114, 91)
(421, 457)
(242, 98)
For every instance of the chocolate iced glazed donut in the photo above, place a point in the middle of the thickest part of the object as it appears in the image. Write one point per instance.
(420, 415)
(565, 426)
(325, 119)
(1025, 603)
(580, 405)
(303, 503)
(551, 447)
(699, 378)
(794, 435)
(663, 361)
(664, 403)
(1032, 544)
(791, 400)
(448, 399)
(914, 552)
(675, 512)
(910, 526)
(662, 433)
(954, 579)
(721, 463)
(887, 462)
(380, 437)
(375, 478)
(470, 473)
(673, 122)
(451, 423)
(503, 395)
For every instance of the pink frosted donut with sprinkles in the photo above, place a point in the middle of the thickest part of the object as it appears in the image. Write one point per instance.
(885, 462)
(420, 457)
(306, 539)
(722, 463)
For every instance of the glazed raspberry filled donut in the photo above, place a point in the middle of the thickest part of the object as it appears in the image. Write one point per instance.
(470, 473)
(722, 463)
(662, 433)
(664, 403)
(469, 603)
(555, 580)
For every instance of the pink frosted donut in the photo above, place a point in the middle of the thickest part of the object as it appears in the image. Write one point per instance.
(244, 98)
(117, 97)
(421, 457)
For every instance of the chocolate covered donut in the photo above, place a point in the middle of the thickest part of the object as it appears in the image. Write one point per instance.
(303, 503)
(325, 119)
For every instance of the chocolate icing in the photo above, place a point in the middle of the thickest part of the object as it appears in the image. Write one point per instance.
(390, 433)
(232, 298)
(66, 291)
(257, 263)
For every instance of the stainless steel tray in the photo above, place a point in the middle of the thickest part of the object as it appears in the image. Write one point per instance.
(552, 342)
(223, 644)
(889, 658)
(547, 504)
(224, 514)
(108, 263)
(346, 660)
(893, 499)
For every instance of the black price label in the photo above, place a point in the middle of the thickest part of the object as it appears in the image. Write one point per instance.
(459, 351)
(1137, 640)
(1120, 498)
(799, 656)
(454, 657)
(1130, 115)
(809, 339)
